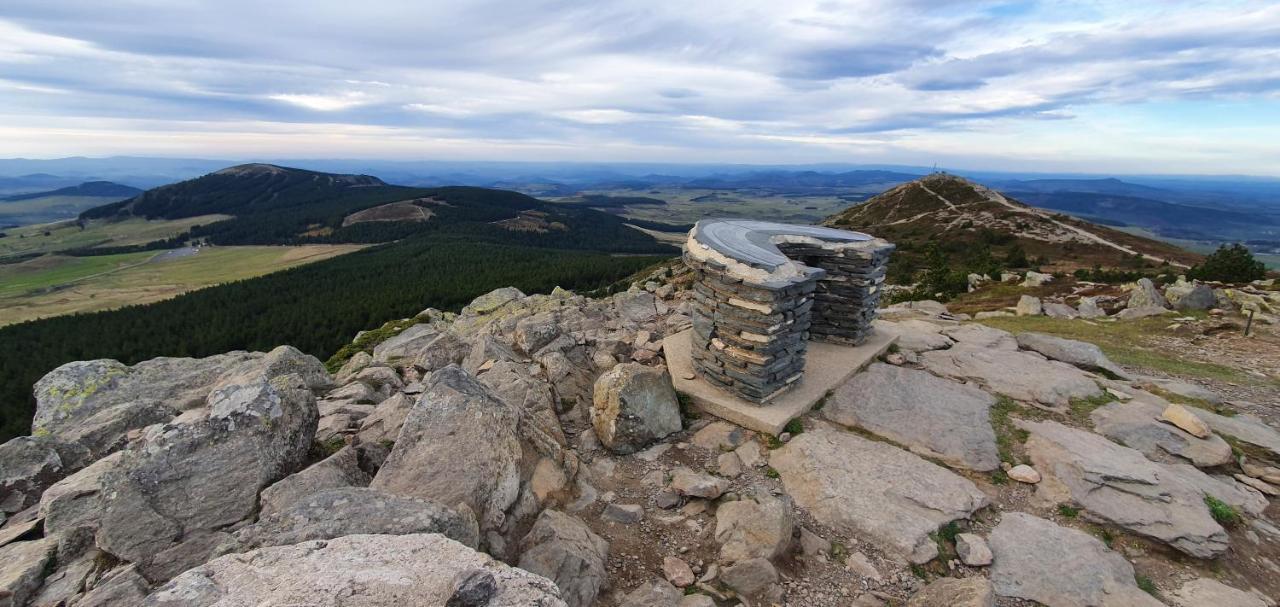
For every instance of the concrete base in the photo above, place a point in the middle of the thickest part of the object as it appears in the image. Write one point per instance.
(826, 367)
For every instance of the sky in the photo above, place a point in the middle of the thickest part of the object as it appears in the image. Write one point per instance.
(1108, 87)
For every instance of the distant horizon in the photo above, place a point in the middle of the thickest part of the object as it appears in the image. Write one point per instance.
(1018, 86)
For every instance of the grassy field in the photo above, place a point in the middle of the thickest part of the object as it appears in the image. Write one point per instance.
(53, 285)
(59, 236)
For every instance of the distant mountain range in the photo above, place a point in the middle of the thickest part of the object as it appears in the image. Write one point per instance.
(94, 189)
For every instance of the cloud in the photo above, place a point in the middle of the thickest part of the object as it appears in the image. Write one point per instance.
(731, 80)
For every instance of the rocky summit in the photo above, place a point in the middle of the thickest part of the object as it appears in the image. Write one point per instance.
(530, 450)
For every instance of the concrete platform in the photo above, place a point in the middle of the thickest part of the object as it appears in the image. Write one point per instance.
(826, 366)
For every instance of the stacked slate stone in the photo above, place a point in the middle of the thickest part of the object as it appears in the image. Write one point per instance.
(748, 339)
(846, 298)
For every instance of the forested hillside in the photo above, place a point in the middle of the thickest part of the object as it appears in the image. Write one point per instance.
(317, 308)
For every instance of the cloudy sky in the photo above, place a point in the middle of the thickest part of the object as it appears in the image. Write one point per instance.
(1132, 86)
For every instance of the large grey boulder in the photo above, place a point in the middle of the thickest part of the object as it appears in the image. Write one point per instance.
(446, 349)
(97, 403)
(636, 308)
(846, 481)
(342, 469)
(534, 332)
(387, 570)
(23, 566)
(1018, 375)
(171, 493)
(383, 424)
(341, 511)
(28, 466)
(1081, 354)
(564, 550)
(655, 593)
(122, 587)
(405, 346)
(76, 501)
(1059, 567)
(1089, 309)
(633, 406)
(1190, 296)
(933, 417)
(1146, 295)
(1029, 306)
(1120, 486)
(1136, 424)
(459, 444)
(757, 526)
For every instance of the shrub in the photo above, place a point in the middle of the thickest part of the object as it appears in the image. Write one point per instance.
(1230, 263)
(1222, 511)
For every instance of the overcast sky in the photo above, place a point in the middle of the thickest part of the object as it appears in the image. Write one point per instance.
(1131, 86)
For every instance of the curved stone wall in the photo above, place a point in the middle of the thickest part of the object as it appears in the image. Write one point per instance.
(763, 289)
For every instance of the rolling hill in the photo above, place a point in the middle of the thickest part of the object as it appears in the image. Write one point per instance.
(965, 219)
(61, 203)
(89, 189)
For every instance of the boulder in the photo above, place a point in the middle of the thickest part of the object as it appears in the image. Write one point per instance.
(342, 469)
(534, 332)
(1186, 389)
(492, 301)
(1186, 296)
(1204, 592)
(387, 570)
(1060, 310)
(1143, 312)
(757, 526)
(1018, 375)
(1088, 308)
(677, 572)
(76, 501)
(444, 350)
(749, 577)
(340, 511)
(564, 550)
(1244, 428)
(1081, 354)
(933, 417)
(721, 436)
(1040, 561)
(405, 345)
(384, 423)
(1145, 295)
(656, 593)
(355, 364)
(1136, 424)
(955, 592)
(1029, 306)
(1037, 279)
(691, 483)
(28, 466)
(634, 405)
(636, 308)
(459, 444)
(167, 498)
(23, 566)
(383, 380)
(1119, 486)
(973, 550)
(123, 587)
(485, 351)
(845, 481)
(1185, 420)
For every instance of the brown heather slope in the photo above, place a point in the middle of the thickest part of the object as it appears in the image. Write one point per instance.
(958, 214)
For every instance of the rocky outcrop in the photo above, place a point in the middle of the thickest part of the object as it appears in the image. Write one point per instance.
(420, 569)
(931, 416)
(169, 495)
(1136, 424)
(23, 566)
(633, 406)
(1081, 354)
(1018, 375)
(1146, 295)
(1040, 561)
(1118, 485)
(955, 592)
(1029, 306)
(564, 550)
(28, 466)
(336, 512)
(342, 469)
(1190, 296)
(915, 335)
(757, 526)
(846, 482)
(1203, 592)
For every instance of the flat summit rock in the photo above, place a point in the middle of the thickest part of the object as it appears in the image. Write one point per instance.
(875, 490)
(1018, 375)
(932, 416)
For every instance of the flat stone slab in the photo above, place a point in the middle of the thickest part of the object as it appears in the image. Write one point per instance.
(826, 367)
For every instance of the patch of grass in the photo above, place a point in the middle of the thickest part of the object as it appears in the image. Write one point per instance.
(1146, 585)
(1240, 448)
(1068, 511)
(322, 449)
(1106, 536)
(794, 427)
(367, 341)
(920, 572)
(839, 552)
(772, 442)
(999, 477)
(771, 472)
(822, 402)
(1007, 434)
(1128, 343)
(1082, 407)
(1222, 512)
